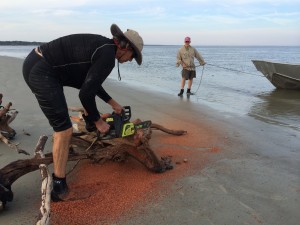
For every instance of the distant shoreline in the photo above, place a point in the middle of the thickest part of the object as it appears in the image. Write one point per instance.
(36, 43)
(14, 43)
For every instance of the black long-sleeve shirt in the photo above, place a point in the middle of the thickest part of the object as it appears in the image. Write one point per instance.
(83, 61)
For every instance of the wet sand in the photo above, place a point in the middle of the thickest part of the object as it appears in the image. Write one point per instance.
(238, 170)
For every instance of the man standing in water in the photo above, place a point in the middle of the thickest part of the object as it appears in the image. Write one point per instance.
(82, 61)
(185, 58)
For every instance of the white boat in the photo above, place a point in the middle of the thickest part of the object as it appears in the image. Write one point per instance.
(281, 75)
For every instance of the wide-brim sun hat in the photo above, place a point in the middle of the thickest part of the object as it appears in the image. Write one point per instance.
(133, 37)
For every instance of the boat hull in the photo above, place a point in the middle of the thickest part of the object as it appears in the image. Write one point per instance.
(281, 75)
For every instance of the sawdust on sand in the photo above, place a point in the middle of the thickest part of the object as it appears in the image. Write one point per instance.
(102, 194)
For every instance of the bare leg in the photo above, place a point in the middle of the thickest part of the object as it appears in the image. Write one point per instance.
(61, 151)
(182, 83)
(190, 82)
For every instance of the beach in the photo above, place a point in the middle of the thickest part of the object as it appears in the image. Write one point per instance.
(229, 169)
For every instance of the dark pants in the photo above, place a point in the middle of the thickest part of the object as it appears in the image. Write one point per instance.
(48, 90)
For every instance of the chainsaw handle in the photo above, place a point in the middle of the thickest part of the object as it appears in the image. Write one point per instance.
(125, 114)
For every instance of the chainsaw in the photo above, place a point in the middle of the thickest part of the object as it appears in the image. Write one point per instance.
(120, 125)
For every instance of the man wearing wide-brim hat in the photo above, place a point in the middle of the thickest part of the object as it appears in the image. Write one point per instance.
(82, 61)
(132, 39)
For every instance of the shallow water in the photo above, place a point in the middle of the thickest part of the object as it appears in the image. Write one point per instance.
(228, 83)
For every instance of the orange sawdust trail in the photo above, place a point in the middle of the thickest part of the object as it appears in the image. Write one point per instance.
(101, 194)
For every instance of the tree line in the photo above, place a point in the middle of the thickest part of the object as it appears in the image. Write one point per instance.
(20, 43)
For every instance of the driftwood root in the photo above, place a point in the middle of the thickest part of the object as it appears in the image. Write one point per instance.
(86, 145)
(7, 115)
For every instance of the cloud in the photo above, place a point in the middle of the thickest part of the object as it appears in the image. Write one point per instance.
(158, 21)
(55, 12)
(244, 2)
(36, 4)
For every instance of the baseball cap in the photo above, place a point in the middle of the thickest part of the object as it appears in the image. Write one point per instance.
(187, 39)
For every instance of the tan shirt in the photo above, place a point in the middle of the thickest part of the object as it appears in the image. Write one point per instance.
(185, 57)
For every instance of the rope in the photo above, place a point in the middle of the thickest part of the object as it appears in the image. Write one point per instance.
(200, 79)
(232, 70)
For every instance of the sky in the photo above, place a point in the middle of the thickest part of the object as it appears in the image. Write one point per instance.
(207, 22)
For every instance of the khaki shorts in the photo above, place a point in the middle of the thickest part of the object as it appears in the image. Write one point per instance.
(188, 74)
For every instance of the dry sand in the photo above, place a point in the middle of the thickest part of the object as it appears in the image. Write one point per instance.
(237, 170)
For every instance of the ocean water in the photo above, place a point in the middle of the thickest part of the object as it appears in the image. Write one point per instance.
(228, 83)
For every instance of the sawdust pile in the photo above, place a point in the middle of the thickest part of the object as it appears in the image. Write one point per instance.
(102, 194)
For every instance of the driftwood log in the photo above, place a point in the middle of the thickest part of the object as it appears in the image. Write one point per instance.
(7, 115)
(85, 145)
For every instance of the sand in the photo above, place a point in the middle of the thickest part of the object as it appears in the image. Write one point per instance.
(229, 169)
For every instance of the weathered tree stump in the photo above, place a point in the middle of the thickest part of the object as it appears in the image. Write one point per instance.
(7, 115)
(86, 145)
